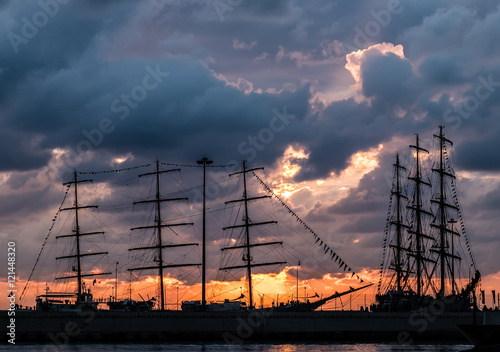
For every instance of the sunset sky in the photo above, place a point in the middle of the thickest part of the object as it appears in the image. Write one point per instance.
(321, 94)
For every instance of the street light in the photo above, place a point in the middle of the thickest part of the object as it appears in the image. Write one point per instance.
(116, 281)
(177, 298)
(298, 282)
(203, 162)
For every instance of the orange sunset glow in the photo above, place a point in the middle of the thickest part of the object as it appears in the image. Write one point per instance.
(269, 288)
(279, 287)
(237, 156)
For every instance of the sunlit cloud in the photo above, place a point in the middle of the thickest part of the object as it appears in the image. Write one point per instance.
(356, 58)
(205, 85)
(121, 159)
(331, 188)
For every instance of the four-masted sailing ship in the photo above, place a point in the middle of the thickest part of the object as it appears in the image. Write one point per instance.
(423, 254)
(155, 245)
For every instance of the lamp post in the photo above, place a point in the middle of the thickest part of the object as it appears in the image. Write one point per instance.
(203, 162)
(177, 298)
(298, 282)
(116, 281)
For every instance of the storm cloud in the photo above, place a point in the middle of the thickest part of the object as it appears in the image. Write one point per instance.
(95, 85)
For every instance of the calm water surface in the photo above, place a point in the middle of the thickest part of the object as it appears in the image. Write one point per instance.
(245, 348)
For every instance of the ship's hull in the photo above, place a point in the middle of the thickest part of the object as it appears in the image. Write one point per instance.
(481, 335)
(236, 327)
(486, 333)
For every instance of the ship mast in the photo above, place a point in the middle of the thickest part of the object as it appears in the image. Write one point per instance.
(418, 211)
(205, 162)
(77, 235)
(398, 248)
(442, 226)
(247, 258)
(159, 225)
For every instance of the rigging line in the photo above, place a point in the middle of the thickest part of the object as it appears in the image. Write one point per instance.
(460, 215)
(45, 241)
(110, 171)
(296, 252)
(342, 264)
(196, 165)
(209, 183)
(386, 233)
(430, 282)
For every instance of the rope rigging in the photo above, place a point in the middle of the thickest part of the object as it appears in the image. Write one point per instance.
(459, 213)
(386, 236)
(147, 165)
(327, 250)
(45, 241)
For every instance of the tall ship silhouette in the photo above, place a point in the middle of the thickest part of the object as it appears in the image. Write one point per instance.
(427, 265)
(426, 256)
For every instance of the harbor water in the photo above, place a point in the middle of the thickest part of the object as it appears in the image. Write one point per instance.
(268, 347)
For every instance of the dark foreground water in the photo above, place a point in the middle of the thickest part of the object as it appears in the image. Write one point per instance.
(246, 347)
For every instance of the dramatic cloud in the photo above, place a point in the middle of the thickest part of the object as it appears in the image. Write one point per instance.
(322, 94)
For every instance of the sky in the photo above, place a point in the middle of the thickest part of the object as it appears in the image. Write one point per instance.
(320, 93)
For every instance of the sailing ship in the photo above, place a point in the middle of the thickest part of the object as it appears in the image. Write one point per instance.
(158, 245)
(423, 262)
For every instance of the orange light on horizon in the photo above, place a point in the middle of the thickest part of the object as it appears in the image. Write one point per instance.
(273, 287)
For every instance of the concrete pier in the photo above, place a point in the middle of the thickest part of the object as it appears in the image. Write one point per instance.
(237, 327)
